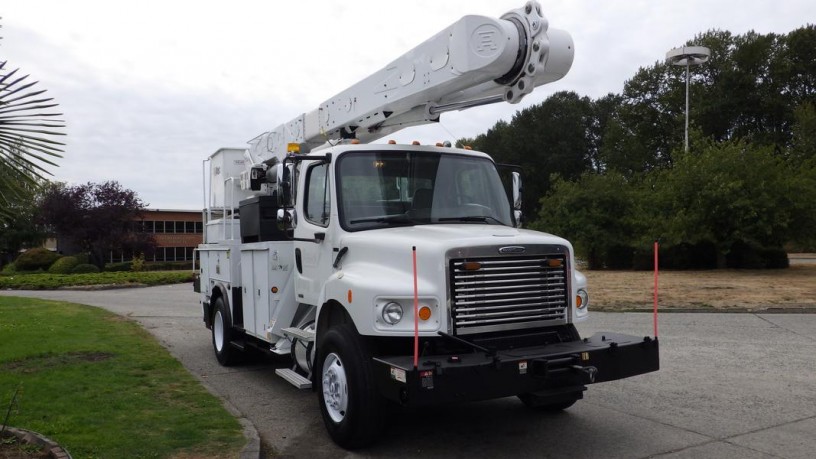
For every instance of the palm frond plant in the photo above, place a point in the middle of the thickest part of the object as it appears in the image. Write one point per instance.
(28, 127)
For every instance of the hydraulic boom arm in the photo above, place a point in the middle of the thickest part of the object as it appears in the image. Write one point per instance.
(476, 61)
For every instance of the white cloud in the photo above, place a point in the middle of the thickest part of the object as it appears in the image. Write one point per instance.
(151, 89)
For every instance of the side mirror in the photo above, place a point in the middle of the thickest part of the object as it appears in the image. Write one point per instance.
(278, 178)
(516, 191)
(287, 218)
(517, 197)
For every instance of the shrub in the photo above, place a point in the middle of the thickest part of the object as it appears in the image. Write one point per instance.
(619, 257)
(82, 258)
(34, 259)
(775, 258)
(702, 255)
(749, 256)
(118, 267)
(84, 268)
(138, 263)
(745, 256)
(64, 265)
(10, 268)
(643, 259)
(168, 265)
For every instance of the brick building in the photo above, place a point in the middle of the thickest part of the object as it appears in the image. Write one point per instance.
(177, 234)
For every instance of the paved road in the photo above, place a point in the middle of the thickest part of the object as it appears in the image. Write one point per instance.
(731, 386)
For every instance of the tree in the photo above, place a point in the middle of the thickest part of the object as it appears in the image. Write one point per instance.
(555, 137)
(645, 128)
(20, 230)
(748, 90)
(597, 213)
(97, 218)
(734, 191)
(26, 130)
(801, 158)
(803, 145)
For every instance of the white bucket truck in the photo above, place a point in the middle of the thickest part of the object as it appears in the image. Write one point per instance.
(399, 273)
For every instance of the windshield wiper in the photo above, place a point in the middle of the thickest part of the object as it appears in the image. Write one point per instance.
(472, 218)
(399, 219)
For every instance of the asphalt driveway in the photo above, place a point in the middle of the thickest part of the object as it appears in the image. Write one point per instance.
(730, 386)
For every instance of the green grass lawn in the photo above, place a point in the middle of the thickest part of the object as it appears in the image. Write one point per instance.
(101, 386)
(46, 281)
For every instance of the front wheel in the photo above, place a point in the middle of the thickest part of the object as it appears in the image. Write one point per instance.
(532, 401)
(352, 409)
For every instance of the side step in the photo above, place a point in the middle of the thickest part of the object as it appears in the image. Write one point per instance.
(300, 334)
(294, 378)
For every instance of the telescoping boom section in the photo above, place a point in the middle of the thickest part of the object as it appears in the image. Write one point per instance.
(475, 61)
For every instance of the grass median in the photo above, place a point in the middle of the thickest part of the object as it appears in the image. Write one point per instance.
(101, 386)
(792, 289)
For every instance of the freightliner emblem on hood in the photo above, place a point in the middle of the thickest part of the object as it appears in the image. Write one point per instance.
(512, 249)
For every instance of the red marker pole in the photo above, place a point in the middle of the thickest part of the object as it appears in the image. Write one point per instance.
(656, 270)
(416, 312)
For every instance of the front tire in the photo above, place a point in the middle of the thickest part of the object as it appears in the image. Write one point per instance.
(532, 402)
(352, 409)
(222, 334)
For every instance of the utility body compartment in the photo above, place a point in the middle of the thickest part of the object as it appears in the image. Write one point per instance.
(267, 288)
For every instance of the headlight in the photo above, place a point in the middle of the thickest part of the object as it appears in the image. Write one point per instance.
(392, 313)
(581, 299)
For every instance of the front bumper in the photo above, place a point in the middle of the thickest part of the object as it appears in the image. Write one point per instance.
(543, 370)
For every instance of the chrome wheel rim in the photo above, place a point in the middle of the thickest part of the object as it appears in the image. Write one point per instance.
(335, 387)
(218, 331)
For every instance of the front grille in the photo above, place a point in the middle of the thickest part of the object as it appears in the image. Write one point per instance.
(505, 293)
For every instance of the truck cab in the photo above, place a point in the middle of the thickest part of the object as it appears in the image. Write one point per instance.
(363, 211)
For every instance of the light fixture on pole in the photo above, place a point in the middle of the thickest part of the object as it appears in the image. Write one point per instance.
(686, 57)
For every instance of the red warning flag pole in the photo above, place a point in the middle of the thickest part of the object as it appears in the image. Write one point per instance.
(416, 311)
(656, 270)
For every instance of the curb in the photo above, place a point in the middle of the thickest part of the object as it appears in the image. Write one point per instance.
(52, 448)
(252, 449)
(95, 287)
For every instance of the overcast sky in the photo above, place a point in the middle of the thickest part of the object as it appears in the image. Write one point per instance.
(149, 89)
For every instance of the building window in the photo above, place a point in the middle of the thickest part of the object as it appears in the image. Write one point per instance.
(171, 226)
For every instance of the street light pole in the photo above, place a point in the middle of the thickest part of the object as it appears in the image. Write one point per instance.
(687, 104)
(688, 56)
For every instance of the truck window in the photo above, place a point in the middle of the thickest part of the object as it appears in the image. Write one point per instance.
(318, 199)
(379, 189)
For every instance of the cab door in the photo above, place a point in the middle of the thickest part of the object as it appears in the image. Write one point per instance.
(313, 235)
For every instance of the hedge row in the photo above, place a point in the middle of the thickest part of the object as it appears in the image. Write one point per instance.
(44, 260)
(704, 255)
(150, 266)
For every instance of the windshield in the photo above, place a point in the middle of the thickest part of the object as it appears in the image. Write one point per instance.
(398, 188)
